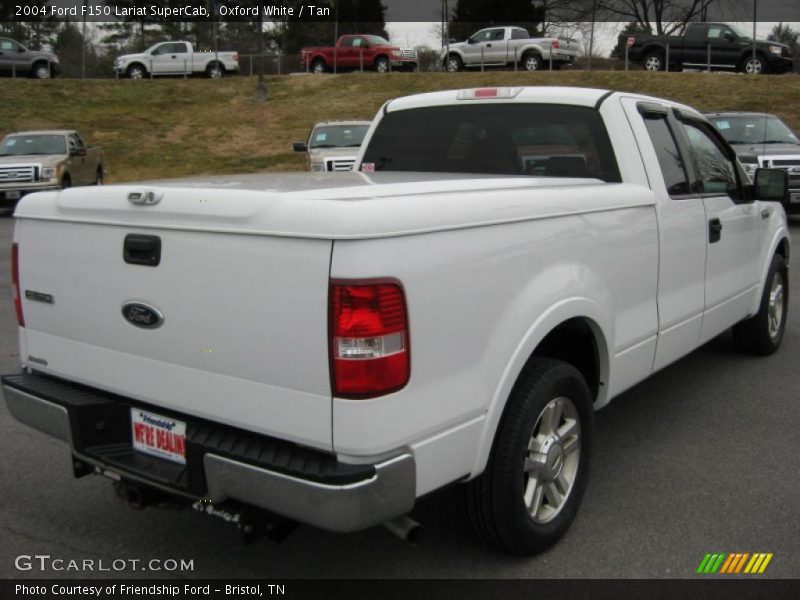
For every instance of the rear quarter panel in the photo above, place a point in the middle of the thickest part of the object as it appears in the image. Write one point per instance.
(480, 300)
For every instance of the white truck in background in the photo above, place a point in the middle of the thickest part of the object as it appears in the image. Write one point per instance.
(332, 347)
(176, 58)
(505, 46)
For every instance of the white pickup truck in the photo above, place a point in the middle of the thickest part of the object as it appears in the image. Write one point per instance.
(332, 347)
(176, 58)
(503, 46)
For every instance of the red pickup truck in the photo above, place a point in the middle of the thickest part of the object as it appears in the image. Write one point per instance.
(359, 52)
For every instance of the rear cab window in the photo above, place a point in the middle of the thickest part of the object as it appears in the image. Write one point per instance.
(530, 139)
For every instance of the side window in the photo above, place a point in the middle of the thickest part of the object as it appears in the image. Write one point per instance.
(498, 34)
(76, 140)
(716, 32)
(483, 36)
(7, 46)
(669, 158)
(518, 34)
(179, 49)
(348, 42)
(72, 145)
(714, 172)
(358, 42)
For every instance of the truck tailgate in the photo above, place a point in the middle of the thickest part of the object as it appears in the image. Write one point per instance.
(243, 339)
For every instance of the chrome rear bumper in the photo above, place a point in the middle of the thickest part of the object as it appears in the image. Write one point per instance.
(388, 492)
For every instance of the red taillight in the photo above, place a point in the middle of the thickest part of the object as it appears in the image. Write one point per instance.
(369, 338)
(555, 44)
(15, 284)
(631, 41)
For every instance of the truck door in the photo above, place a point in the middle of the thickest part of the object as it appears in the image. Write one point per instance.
(171, 58)
(8, 51)
(731, 281)
(479, 45)
(726, 46)
(682, 231)
(498, 46)
(79, 161)
(695, 45)
(356, 54)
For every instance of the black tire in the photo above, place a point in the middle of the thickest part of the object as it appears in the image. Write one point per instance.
(382, 65)
(66, 181)
(136, 71)
(99, 176)
(215, 70)
(757, 66)
(319, 66)
(653, 61)
(531, 62)
(453, 64)
(759, 334)
(495, 502)
(41, 70)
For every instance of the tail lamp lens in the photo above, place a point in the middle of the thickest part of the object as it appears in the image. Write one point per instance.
(369, 339)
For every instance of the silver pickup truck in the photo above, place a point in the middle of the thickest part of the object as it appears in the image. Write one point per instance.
(176, 58)
(333, 145)
(16, 59)
(503, 46)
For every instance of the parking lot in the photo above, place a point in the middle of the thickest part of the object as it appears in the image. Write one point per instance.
(702, 457)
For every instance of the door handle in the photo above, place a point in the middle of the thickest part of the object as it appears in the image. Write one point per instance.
(488, 45)
(142, 250)
(714, 230)
(766, 213)
(173, 56)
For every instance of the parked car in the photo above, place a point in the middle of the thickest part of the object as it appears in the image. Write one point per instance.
(763, 140)
(33, 161)
(354, 52)
(333, 145)
(17, 59)
(721, 46)
(507, 261)
(502, 46)
(176, 58)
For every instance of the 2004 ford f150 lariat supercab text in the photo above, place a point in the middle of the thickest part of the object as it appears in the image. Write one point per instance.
(332, 347)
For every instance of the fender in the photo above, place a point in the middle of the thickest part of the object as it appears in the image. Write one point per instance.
(531, 48)
(780, 234)
(456, 51)
(562, 311)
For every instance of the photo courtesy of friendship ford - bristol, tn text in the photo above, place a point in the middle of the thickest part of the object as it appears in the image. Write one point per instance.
(371, 289)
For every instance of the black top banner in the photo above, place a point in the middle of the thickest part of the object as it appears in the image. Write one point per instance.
(505, 11)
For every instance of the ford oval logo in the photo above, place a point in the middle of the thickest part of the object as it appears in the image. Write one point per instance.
(142, 315)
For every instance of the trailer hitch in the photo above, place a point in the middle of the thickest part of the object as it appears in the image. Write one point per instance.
(252, 523)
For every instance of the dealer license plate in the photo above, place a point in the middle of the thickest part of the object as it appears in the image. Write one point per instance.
(159, 436)
(13, 195)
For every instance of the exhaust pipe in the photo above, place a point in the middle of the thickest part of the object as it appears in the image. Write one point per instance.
(405, 528)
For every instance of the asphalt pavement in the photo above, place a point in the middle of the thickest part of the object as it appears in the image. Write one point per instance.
(702, 457)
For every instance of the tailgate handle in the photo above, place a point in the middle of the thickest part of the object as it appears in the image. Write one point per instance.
(142, 250)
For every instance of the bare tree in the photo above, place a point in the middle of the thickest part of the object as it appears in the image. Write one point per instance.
(664, 17)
